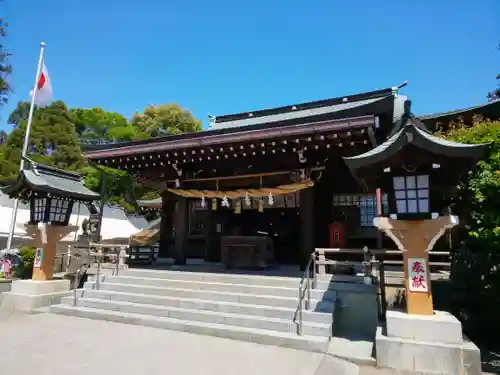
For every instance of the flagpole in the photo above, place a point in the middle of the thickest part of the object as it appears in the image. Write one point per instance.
(25, 144)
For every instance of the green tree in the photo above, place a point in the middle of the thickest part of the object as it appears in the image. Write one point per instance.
(165, 119)
(495, 94)
(155, 121)
(57, 135)
(96, 124)
(476, 264)
(25, 269)
(19, 114)
(3, 138)
(52, 141)
(5, 67)
(120, 188)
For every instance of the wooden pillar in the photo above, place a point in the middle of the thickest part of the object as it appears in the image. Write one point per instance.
(322, 213)
(167, 213)
(43, 267)
(415, 239)
(180, 225)
(379, 207)
(306, 214)
(210, 235)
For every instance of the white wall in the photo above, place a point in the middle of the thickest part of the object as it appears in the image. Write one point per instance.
(116, 226)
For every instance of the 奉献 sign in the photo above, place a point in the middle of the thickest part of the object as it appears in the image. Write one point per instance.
(38, 258)
(417, 275)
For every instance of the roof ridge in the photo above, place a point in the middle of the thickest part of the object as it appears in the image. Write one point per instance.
(305, 105)
(457, 111)
(53, 171)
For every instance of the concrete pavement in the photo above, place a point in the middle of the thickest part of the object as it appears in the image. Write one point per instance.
(75, 346)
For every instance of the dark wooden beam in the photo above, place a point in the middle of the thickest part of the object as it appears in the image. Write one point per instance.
(180, 225)
(167, 214)
(306, 214)
(203, 140)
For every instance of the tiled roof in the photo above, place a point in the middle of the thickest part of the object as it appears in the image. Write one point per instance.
(43, 178)
(291, 115)
(458, 112)
(411, 133)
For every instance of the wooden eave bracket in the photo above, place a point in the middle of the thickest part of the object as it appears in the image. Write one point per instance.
(432, 229)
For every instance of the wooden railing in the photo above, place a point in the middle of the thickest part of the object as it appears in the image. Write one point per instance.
(115, 255)
(374, 265)
(377, 254)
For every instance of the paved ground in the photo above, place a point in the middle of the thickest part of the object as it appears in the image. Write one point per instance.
(74, 346)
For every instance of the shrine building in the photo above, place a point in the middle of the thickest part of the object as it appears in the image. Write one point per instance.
(274, 180)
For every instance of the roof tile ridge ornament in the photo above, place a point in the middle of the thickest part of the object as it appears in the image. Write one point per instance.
(44, 169)
(212, 120)
(407, 119)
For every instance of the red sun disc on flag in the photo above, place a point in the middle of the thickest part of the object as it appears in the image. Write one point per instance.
(41, 81)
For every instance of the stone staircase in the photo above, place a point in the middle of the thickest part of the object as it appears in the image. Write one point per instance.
(260, 309)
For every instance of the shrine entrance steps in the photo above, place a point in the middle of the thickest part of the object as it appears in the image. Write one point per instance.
(254, 308)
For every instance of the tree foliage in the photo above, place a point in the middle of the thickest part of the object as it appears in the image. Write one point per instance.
(19, 114)
(52, 141)
(5, 67)
(495, 94)
(58, 134)
(167, 119)
(476, 263)
(97, 124)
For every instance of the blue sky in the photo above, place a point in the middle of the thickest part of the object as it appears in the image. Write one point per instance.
(220, 56)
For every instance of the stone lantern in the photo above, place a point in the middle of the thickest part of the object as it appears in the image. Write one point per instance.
(417, 171)
(51, 194)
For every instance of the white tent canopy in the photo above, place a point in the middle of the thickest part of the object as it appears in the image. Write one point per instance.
(116, 225)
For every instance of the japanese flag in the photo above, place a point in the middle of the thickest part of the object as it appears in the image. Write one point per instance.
(43, 88)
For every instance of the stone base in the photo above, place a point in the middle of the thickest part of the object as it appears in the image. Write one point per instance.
(441, 327)
(5, 285)
(28, 295)
(430, 344)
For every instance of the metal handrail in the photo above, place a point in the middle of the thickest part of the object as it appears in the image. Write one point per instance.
(75, 287)
(117, 261)
(305, 291)
(99, 257)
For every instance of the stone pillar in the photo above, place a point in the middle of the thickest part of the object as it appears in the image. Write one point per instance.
(46, 237)
(180, 225)
(415, 239)
(167, 213)
(306, 214)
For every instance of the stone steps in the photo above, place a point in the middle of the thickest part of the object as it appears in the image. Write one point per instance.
(260, 309)
(323, 282)
(222, 286)
(260, 336)
(214, 277)
(233, 319)
(245, 298)
(207, 305)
